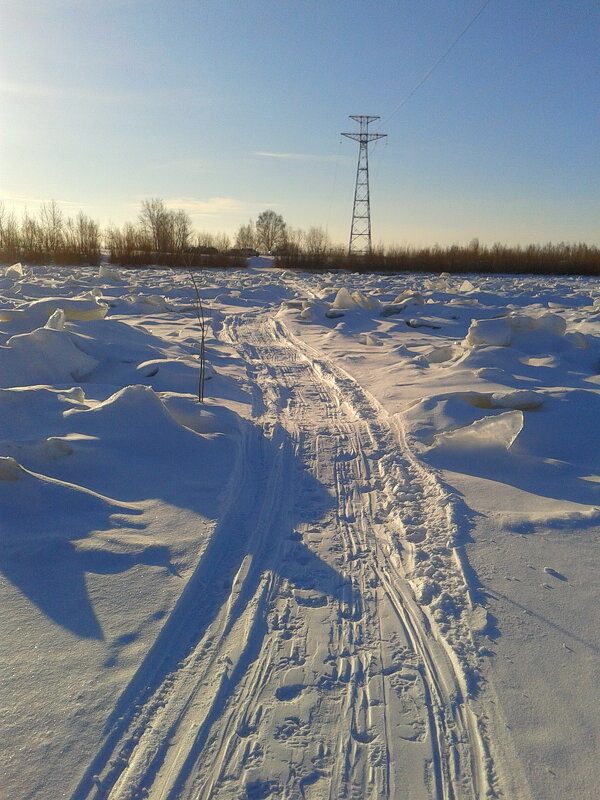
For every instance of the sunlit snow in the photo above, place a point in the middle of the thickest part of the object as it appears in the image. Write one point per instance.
(365, 566)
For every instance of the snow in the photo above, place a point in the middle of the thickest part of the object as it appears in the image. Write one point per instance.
(366, 566)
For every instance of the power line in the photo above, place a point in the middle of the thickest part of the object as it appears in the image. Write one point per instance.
(436, 64)
(515, 67)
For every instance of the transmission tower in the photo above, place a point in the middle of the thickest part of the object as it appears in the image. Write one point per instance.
(360, 232)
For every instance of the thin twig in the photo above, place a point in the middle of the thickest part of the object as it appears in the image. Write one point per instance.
(202, 322)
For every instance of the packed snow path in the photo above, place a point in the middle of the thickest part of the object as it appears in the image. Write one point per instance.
(297, 663)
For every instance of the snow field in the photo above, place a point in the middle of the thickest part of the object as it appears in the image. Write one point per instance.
(364, 568)
(498, 392)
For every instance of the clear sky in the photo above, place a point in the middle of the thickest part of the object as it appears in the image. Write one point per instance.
(227, 108)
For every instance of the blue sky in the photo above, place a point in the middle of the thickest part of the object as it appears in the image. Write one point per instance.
(227, 108)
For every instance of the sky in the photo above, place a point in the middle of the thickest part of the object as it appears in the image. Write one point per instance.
(227, 108)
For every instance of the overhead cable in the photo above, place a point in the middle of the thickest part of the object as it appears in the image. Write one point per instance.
(436, 64)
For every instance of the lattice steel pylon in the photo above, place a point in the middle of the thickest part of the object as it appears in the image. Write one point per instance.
(360, 231)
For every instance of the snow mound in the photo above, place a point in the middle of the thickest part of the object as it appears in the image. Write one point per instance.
(150, 301)
(188, 412)
(440, 355)
(521, 399)
(26, 497)
(44, 356)
(129, 410)
(28, 413)
(515, 328)
(74, 308)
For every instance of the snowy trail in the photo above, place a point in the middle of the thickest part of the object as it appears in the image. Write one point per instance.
(298, 663)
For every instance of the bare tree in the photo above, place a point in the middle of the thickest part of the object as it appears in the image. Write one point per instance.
(181, 230)
(10, 236)
(155, 222)
(51, 227)
(246, 236)
(222, 242)
(205, 239)
(270, 230)
(294, 240)
(316, 242)
(30, 238)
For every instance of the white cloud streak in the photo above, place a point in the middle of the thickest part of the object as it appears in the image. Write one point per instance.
(214, 206)
(296, 156)
(25, 200)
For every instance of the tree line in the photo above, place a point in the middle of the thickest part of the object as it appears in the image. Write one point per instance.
(49, 236)
(165, 236)
(160, 235)
(563, 258)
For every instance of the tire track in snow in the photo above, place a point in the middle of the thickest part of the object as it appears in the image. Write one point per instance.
(317, 674)
(461, 766)
(462, 763)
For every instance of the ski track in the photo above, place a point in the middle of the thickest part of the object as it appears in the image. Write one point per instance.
(298, 663)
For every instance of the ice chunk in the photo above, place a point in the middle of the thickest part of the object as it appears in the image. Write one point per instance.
(390, 310)
(466, 287)
(156, 301)
(344, 300)
(521, 323)
(108, 274)
(495, 332)
(416, 298)
(93, 294)
(497, 431)
(56, 321)
(15, 271)
(369, 339)
(437, 285)
(360, 300)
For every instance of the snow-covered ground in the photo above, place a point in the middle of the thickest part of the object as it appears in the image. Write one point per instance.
(365, 567)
